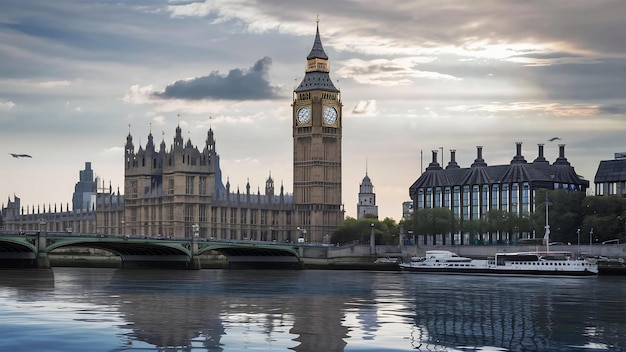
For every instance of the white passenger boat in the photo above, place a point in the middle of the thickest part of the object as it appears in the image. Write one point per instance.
(521, 263)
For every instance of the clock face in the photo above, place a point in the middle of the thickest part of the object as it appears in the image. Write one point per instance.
(330, 115)
(304, 115)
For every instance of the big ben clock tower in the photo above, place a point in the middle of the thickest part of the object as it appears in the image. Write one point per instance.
(317, 120)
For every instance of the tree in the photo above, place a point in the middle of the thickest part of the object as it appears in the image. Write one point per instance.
(359, 230)
(606, 216)
(430, 221)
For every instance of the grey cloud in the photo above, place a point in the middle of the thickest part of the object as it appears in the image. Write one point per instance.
(545, 56)
(371, 69)
(602, 81)
(617, 109)
(250, 84)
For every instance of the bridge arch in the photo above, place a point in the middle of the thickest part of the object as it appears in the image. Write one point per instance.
(149, 253)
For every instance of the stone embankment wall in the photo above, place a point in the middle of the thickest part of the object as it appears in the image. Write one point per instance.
(608, 251)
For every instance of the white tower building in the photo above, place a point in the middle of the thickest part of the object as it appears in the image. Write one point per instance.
(367, 200)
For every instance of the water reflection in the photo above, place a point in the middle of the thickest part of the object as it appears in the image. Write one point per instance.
(513, 314)
(206, 310)
(27, 278)
(305, 311)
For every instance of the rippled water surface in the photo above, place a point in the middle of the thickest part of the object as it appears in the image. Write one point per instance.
(81, 309)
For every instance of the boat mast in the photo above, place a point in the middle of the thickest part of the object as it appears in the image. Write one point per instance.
(546, 237)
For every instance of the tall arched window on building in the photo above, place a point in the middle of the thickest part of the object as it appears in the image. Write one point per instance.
(437, 197)
(515, 198)
(504, 200)
(456, 202)
(420, 198)
(525, 199)
(466, 202)
(475, 202)
(484, 202)
(495, 192)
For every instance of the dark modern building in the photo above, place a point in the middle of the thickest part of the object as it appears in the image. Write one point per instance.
(471, 192)
(84, 190)
(610, 178)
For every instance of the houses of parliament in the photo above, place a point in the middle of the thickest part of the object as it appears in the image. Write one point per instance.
(180, 193)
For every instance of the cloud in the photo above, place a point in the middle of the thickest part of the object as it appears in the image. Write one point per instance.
(397, 27)
(159, 120)
(53, 84)
(112, 152)
(617, 109)
(556, 109)
(365, 108)
(250, 84)
(385, 72)
(138, 95)
(8, 105)
(194, 9)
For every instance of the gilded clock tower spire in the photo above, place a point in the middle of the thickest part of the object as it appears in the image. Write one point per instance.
(317, 125)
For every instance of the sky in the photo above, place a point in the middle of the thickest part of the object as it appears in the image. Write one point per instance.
(76, 77)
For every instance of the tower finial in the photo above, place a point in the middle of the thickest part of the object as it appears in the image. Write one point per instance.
(317, 20)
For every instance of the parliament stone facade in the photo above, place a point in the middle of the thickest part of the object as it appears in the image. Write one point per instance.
(178, 191)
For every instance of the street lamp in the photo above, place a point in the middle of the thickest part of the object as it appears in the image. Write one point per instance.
(42, 224)
(196, 230)
(302, 234)
(372, 240)
(590, 235)
(578, 236)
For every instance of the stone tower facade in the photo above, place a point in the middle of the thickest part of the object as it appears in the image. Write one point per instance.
(317, 131)
(168, 192)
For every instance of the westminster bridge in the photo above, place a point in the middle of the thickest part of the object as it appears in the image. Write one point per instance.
(31, 250)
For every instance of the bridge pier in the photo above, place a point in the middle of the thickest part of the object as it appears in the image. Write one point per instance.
(43, 261)
(195, 248)
(195, 263)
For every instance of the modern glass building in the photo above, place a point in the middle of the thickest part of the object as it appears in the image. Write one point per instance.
(473, 191)
(610, 178)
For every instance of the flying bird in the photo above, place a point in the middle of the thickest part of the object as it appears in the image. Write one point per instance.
(554, 139)
(20, 155)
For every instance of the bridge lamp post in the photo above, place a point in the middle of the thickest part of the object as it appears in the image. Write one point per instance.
(578, 237)
(42, 225)
(590, 235)
(196, 230)
(302, 234)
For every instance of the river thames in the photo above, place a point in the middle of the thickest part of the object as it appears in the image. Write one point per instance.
(87, 309)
